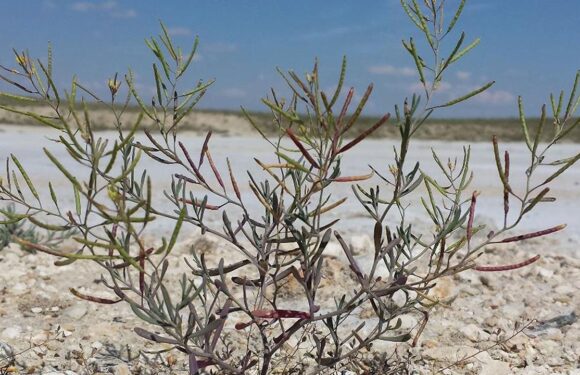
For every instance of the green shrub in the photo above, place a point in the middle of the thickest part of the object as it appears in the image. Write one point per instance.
(286, 241)
(16, 227)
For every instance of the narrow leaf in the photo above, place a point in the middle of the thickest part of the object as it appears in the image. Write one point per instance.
(466, 96)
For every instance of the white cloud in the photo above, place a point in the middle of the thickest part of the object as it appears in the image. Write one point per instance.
(83, 6)
(221, 47)
(127, 13)
(462, 75)
(443, 87)
(234, 92)
(49, 4)
(110, 7)
(495, 97)
(391, 70)
(333, 32)
(179, 31)
(337, 31)
(450, 91)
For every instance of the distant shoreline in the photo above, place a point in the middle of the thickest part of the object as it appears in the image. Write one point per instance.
(232, 123)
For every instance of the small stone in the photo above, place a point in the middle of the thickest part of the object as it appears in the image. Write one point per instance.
(68, 327)
(96, 345)
(428, 344)
(470, 277)
(512, 311)
(361, 244)
(66, 333)
(399, 298)
(474, 333)
(36, 310)
(562, 298)
(40, 338)
(491, 321)
(408, 322)
(333, 249)
(545, 273)
(19, 288)
(565, 289)
(76, 311)
(449, 353)
(445, 290)
(12, 332)
(204, 245)
(54, 308)
(495, 368)
(121, 369)
(555, 322)
(486, 281)
(6, 353)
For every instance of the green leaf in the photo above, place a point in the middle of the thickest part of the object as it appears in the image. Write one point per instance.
(410, 14)
(166, 39)
(128, 170)
(418, 61)
(466, 96)
(564, 133)
(25, 176)
(536, 200)
(143, 316)
(50, 227)
(499, 167)
(18, 97)
(189, 59)
(289, 116)
(51, 84)
(523, 123)
(94, 96)
(293, 162)
(399, 338)
(176, 230)
(129, 79)
(158, 84)
(64, 171)
(423, 27)
(200, 87)
(456, 16)
(38, 118)
(434, 183)
(359, 108)
(77, 200)
(340, 82)
(539, 130)
(570, 163)
(453, 53)
(465, 50)
(569, 108)
(49, 60)
(52, 194)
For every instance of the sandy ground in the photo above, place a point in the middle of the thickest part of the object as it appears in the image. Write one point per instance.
(483, 308)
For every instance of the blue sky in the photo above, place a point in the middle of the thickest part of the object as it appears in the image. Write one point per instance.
(530, 47)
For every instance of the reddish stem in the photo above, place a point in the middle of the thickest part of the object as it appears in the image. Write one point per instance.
(507, 267)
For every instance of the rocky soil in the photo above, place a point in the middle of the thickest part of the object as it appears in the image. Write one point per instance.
(49, 331)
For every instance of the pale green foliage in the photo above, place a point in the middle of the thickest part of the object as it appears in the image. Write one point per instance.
(286, 241)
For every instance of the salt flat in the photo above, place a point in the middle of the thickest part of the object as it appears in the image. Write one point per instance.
(26, 143)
